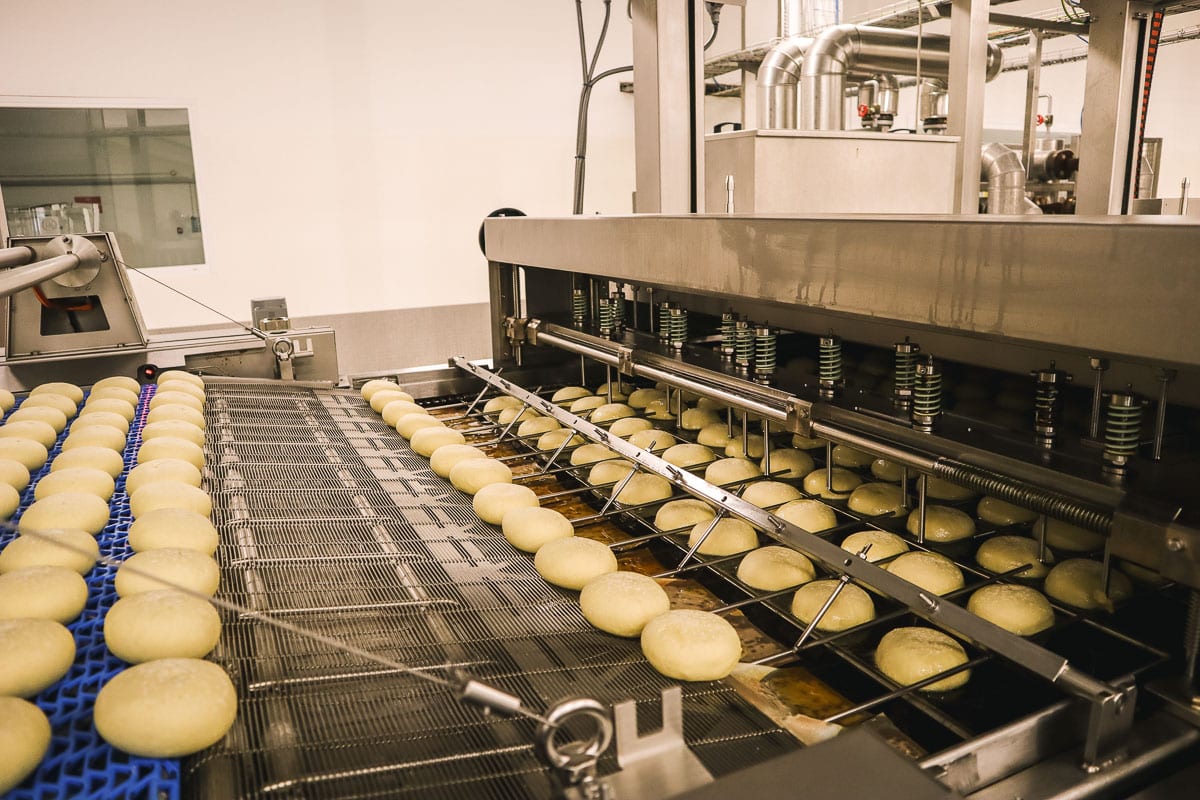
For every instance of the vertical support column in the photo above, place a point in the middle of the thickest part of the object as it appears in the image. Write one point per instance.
(502, 303)
(668, 106)
(1033, 87)
(968, 77)
(1113, 78)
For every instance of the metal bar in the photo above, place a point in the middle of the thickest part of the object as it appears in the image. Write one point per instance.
(17, 257)
(1033, 83)
(612, 498)
(20, 278)
(700, 542)
(1033, 24)
(905, 690)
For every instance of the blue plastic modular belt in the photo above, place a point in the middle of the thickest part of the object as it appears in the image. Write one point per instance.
(79, 763)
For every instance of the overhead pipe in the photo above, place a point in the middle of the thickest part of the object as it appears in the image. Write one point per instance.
(1005, 175)
(778, 79)
(878, 101)
(843, 49)
(934, 104)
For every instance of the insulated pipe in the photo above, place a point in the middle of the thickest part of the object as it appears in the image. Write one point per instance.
(778, 79)
(845, 48)
(934, 105)
(1005, 176)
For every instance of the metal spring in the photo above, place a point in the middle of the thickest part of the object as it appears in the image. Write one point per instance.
(1031, 497)
(679, 327)
(1046, 403)
(728, 333)
(905, 371)
(618, 308)
(927, 395)
(664, 320)
(1122, 428)
(606, 316)
(579, 306)
(764, 352)
(829, 367)
(743, 343)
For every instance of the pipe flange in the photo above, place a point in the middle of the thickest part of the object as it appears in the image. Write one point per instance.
(89, 259)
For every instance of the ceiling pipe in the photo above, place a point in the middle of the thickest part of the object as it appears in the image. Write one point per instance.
(778, 78)
(1005, 175)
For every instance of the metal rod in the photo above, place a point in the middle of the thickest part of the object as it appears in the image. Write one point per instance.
(922, 495)
(829, 466)
(612, 498)
(766, 429)
(1033, 79)
(909, 689)
(904, 487)
(16, 256)
(1098, 365)
(1165, 376)
(20, 278)
(745, 434)
(700, 542)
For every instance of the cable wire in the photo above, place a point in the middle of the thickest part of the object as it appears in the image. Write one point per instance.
(248, 328)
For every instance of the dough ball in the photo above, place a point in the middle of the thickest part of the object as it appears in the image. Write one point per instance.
(787, 463)
(621, 603)
(694, 419)
(180, 413)
(58, 387)
(573, 562)
(998, 512)
(507, 415)
(85, 480)
(161, 624)
(1018, 609)
(844, 482)
(658, 409)
(729, 537)
(96, 436)
(939, 489)
(910, 655)
(1062, 536)
(51, 416)
(688, 455)
(625, 427)
(411, 423)
(106, 418)
(876, 499)
(653, 440)
(569, 393)
(770, 569)
(174, 528)
(397, 410)
(942, 524)
(497, 404)
(113, 393)
(369, 388)
(1079, 582)
(620, 391)
(73, 550)
(185, 387)
(101, 458)
(14, 473)
(1004, 553)
(112, 405)
(731, 470)
(528, 528)
(752, 448)
(171, 447)
(640, 398)
(129, 384)
(551, 440)
(10, 500)
(61, 403)
(715, 435)
(34, 654)
(380, 400)
(605, 473)
(66, 510)
(610, 411)
(887, 471)
(176, 428)
(691, 645)
(24, 740)
(495, 500)
(426, 441)
(852, 607)
(590, 454)
(446, 457)
(537, 426)
(164, 469)
(169, 494)
(807, 442)
(167, 568)
(587, 404)
(768, 494)
(42, 592)
(679, 514)
(932, 572)
(7, 400)
(883, 544)
(850, 458)
(811, 515)
(167, 708)
(472, 474)
(41, 432)
(181, 375)
(169, 398)
(29, 453)
(644, 489)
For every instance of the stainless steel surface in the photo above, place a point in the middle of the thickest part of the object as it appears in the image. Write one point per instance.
(67, 260)
(778, 84)
(965, 85)
(1033, 84)
(1005, 176)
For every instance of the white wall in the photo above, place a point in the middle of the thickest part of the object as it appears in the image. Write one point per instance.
(347, 150)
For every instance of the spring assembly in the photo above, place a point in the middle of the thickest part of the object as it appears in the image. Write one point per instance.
(764, 354)
(927, 396)
(664, 320)
(905, 372)
(579, 305)
(743, 343)
(1122, 429)
(728, 333)
(1047, 404)
(617, 300)
(606, 316)
(679, 327)
(829, 367)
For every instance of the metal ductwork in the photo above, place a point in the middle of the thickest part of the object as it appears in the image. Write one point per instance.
(878, 101)
(848, 48)
(778, 79)
(1005, 176)
(934, 104)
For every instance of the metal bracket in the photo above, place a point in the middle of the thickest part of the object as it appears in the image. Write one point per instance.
(1109, 721)
(514, 329)
(531, 330)
(799, 416)
(625, 360)
(657, 764)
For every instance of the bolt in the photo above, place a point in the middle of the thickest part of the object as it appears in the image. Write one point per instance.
(1098, 363)
(1175, 544)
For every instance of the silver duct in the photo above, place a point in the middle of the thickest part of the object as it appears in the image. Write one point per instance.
(878, 100)
(1005, 176)
(934, 105)
(778, 78)
(845, 48)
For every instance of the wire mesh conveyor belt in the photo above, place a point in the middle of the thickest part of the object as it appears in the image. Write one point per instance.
(328, 519)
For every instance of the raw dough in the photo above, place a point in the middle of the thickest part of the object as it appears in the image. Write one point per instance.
(754, 447)
(691, 645)
(7, 400)
(24, 740)
(730, 536)
(1079, 582)
(605, 473)
(657, 409)
(942, 524)
(397, 410)
(380, 400)
(169, 398)
(95, 436)
(627, 426)
(939, 489)
(844, 482)
(170, 494)
(173, 427)
(621, 603)
(610, 411)
(164, 469)
(770, 569)
(445, 457)
(100, 458)
(569, 393)
(507, 415)
(10, 500)
(85, 480)
(682, 514)
(844, 456)
(175, 528)
(426, 441)
(28, 452)
(537, 426)
(1062, 536)
(34, 654)
(170, 447)
(78, 555)
(644, 488)
(550, 440)
(1004, 553)
(688, 455)
(731, 470)
(161, 624)
(42, 592)
(112, 393)
(529, 528)
(184, 387)
(497, 404)
(166, 708)
(1019, 609)
(147, 571)
(767, 494)
(590, 454)
(887, 471)
(14, 473)
(369, 388)
(620, 391)
(112, 405)
(129, 384)
(66, 510)
(106, 418)
(573, 562)
(411, 423)
(41, 432)
(640, 398)
(932, 572)
(852, 607)
(694, 419)
(495, 500)
(998, 512)
(807, 442)
(181, 375)
(811, 515)
(883, 544)
(653, 440)
(586, 404)
(57, 387)
(875, 499)
(788, 463)
(910, 655)
(714, 435)
(472, 474)
(182, 413)
(51, 416)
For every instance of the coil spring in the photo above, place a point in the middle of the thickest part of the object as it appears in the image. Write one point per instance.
(764, 352)
(679, 327)
(829, 367)
(728, 333)
(1031, 497)
(1122, 426)
(743, 344)
(906, 370)
(927, 394)
(664, 321)
(618, 308)
(606, 315)
(579, 306)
